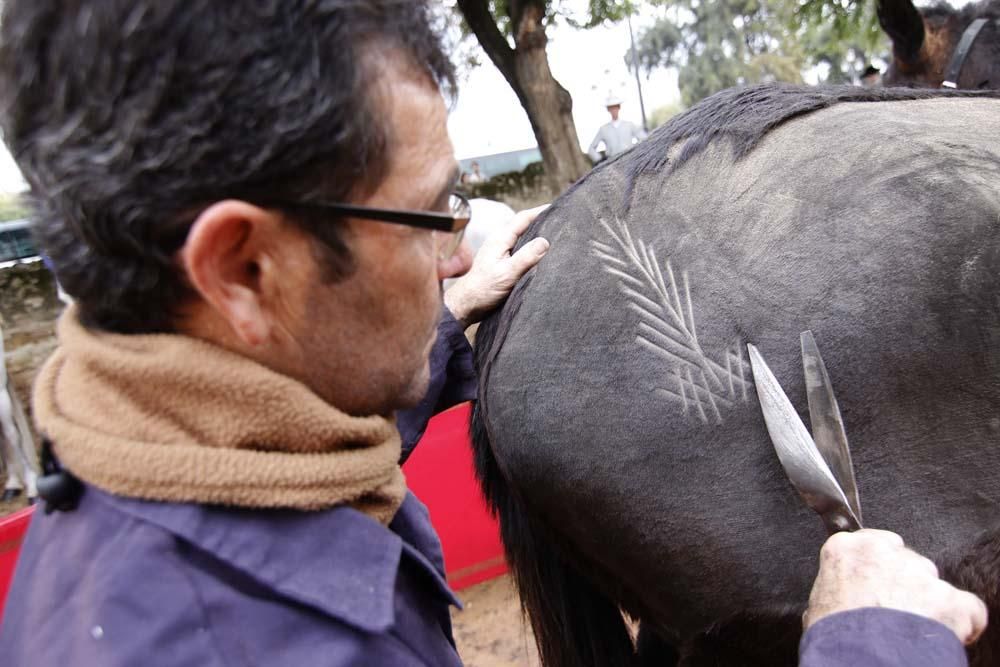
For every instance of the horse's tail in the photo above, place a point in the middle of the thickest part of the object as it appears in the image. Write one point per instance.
(575, 624)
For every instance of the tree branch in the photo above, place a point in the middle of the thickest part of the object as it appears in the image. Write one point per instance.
(527, 17)
(480, 20)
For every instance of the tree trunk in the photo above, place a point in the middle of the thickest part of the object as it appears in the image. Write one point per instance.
(526, 68)
(547, 101)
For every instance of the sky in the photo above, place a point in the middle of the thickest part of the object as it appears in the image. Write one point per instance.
(10, 178)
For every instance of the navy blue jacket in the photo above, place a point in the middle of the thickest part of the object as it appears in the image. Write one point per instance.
(880, 638)
(121, 582)
(453, 381)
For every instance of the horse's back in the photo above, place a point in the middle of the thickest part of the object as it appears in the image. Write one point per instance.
(618, 396)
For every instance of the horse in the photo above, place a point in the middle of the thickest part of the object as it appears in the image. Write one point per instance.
(942, 46)
(617, 433)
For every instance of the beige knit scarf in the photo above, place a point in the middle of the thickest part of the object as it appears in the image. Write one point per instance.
(172, 418)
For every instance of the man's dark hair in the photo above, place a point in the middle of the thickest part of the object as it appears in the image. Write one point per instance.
(128, 117)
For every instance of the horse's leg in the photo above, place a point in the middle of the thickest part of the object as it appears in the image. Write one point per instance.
(653, 650)
(575, 624)
(753, 638)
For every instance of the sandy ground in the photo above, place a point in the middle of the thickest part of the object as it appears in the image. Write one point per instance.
(490, 631)
(13, 505)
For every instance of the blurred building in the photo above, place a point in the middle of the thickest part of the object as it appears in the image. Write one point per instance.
(16, 242)
(501, 163)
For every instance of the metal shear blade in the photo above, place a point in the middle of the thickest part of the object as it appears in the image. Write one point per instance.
(819, 466)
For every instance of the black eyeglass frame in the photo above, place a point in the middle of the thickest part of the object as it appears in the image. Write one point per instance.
(442, 222)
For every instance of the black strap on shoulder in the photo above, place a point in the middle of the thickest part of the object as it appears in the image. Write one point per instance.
(961, 51)
(59, 489)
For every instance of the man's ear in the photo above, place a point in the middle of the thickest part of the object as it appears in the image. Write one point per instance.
(222, 257)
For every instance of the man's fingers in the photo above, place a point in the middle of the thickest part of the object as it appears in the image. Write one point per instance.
(490, 280)
(845, 545)
(502, 241)
(884, 537)
(976, 614)
(873, 568)
(527, 256)
(523, 219)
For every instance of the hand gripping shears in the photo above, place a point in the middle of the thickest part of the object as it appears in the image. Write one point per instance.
(819, 466)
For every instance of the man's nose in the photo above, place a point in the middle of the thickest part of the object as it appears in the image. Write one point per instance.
(458, 264)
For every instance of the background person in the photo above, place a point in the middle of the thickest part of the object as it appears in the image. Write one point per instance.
(871, 77)
(617, 135)
(475, 176)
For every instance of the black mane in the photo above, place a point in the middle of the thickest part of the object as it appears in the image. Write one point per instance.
(745, 115)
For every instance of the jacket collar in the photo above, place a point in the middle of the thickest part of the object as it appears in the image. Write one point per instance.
(338, 561)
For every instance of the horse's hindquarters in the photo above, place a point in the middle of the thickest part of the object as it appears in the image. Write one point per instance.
(620, 401)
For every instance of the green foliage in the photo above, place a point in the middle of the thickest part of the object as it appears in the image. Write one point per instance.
(842, 34)
(598, 12)
(661, 115)
(658, 46)
(716, 44)
(12, 207)
(851, 22)
(721, 43)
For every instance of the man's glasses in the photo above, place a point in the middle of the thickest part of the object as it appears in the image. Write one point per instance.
(452, 223)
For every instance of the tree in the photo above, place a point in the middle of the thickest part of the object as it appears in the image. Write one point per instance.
(721, 43)
(846, 21)
(662, 114)
(842, 34)
(512, 33)
(12, 207)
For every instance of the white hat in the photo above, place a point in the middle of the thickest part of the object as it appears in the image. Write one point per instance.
(613, 101)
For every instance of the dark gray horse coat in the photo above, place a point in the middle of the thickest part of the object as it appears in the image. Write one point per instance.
(618, 431)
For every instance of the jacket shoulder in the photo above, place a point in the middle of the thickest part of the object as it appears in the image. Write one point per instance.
(95, 586)
(102, 585)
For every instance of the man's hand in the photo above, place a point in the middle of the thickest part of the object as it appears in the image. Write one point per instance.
(872, 568)
(494, 270)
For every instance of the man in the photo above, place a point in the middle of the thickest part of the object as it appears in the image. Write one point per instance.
(251, 309)
(871, 77)
(617, 136)
(475, 176)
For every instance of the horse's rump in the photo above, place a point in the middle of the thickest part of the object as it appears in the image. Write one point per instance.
(615, 390)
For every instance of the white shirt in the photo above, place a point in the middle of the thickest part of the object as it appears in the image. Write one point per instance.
(617, 136)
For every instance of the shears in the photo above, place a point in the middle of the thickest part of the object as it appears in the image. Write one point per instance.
(819, 466)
